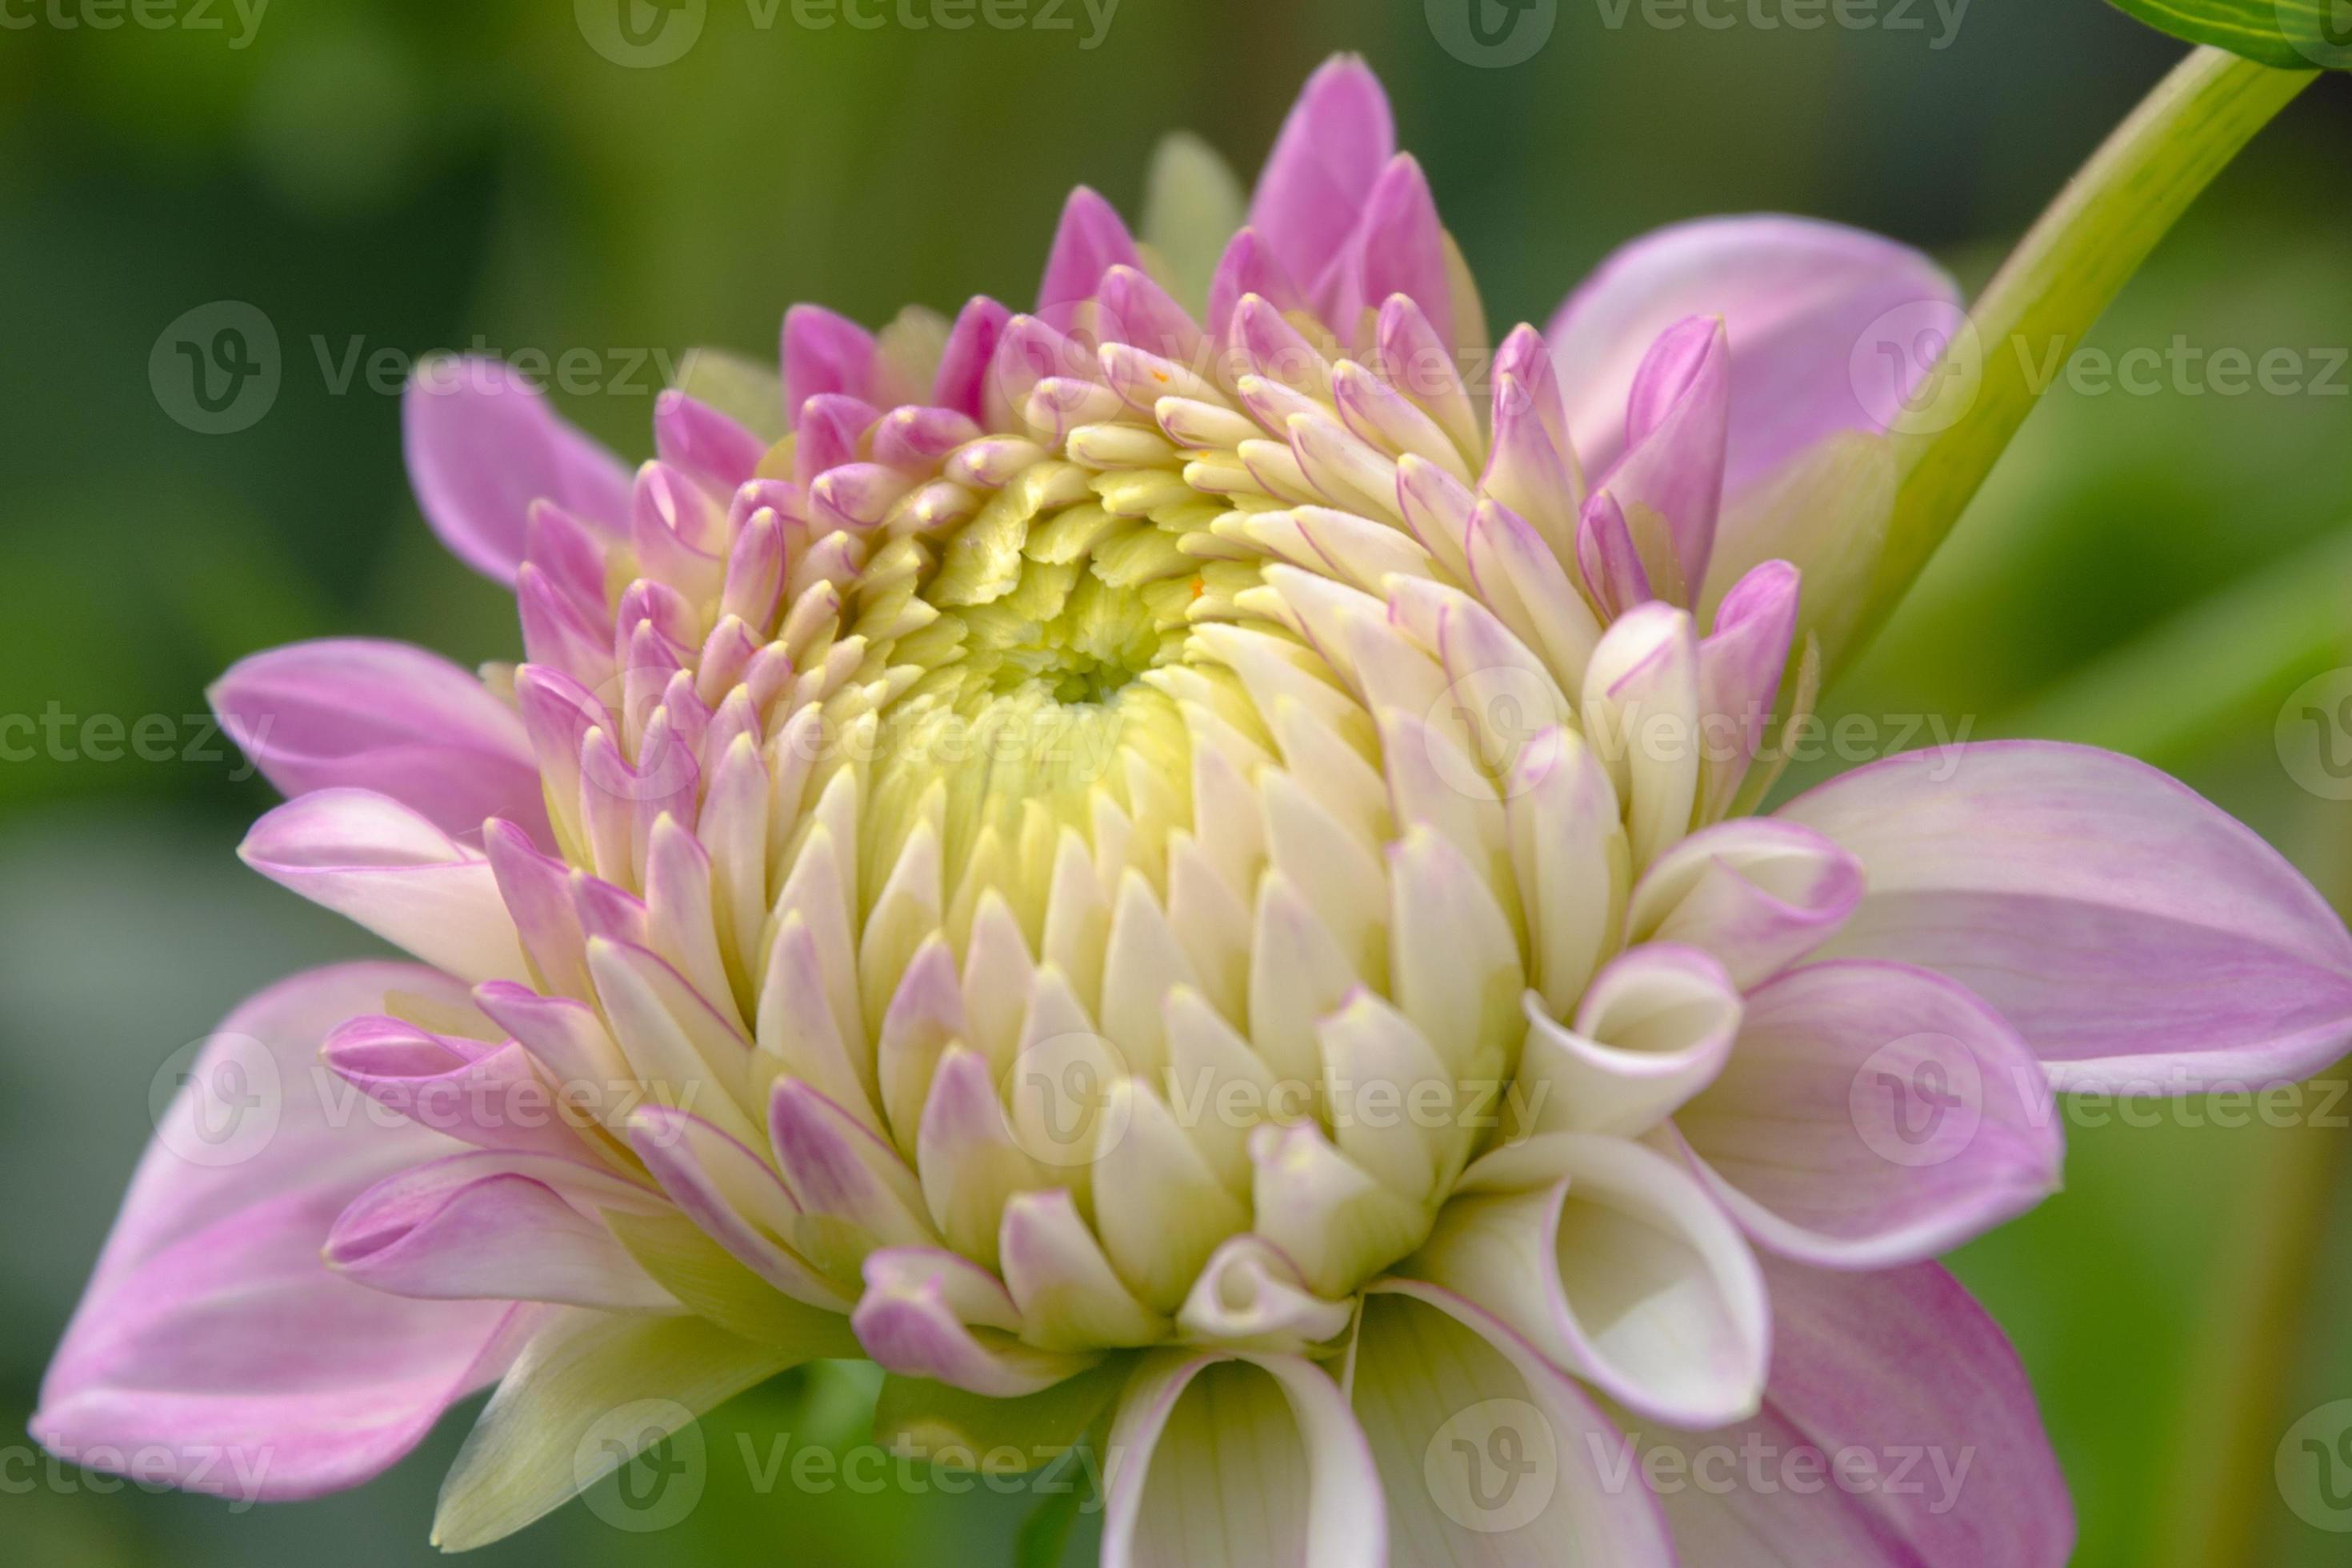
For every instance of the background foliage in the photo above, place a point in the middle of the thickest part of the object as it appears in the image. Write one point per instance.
(2154, 573)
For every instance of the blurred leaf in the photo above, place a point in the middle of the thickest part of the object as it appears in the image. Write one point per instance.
(2292, 35)
(750, 394)
(1044, 1536)
(926, 1417)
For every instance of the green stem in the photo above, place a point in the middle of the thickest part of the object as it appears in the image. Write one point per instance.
(2054, 287)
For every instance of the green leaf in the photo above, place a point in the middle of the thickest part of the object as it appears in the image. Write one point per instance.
(916, 1416)
(2292, 35)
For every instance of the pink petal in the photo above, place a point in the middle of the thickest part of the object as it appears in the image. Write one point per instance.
(1740, 663)
(387, 716)
(476, 1227)
(1798, 298)
(2136, 937)
(1872, 1114)
(1756, 894)
(1676, 422)
(964, 364)
(823, 353)
(1089, 242)
(1605, 557)
(482, 445)
(1249, 265)
(704, 442)
(491, 1096)
(1897, 1428)
(211, 1333)
(1337, 140)
(1399, 248)
(374, 861)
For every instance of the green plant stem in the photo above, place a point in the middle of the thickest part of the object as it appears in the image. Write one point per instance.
(2054, 288)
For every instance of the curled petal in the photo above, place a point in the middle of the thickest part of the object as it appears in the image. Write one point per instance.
(1757, 895)
(1653, 1029)
(1616, 1265)
(1250, 1297)
(934, 1314)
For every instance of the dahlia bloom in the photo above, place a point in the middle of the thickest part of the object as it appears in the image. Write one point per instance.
(1181, 866)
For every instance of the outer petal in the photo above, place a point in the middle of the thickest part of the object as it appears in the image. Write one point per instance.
(1800, 301)
(370, 859)
(1226, 1462)
(1898, 1427)
(1874, 1114)
(1338, 138)
(2139, 938)
(211, 1331)
(387, 716)
(482, 445)
(1485, 1451)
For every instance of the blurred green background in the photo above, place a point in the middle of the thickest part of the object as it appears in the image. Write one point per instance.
(2154, 573)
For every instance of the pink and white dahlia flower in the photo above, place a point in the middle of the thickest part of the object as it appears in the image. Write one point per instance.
(1177, 865)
